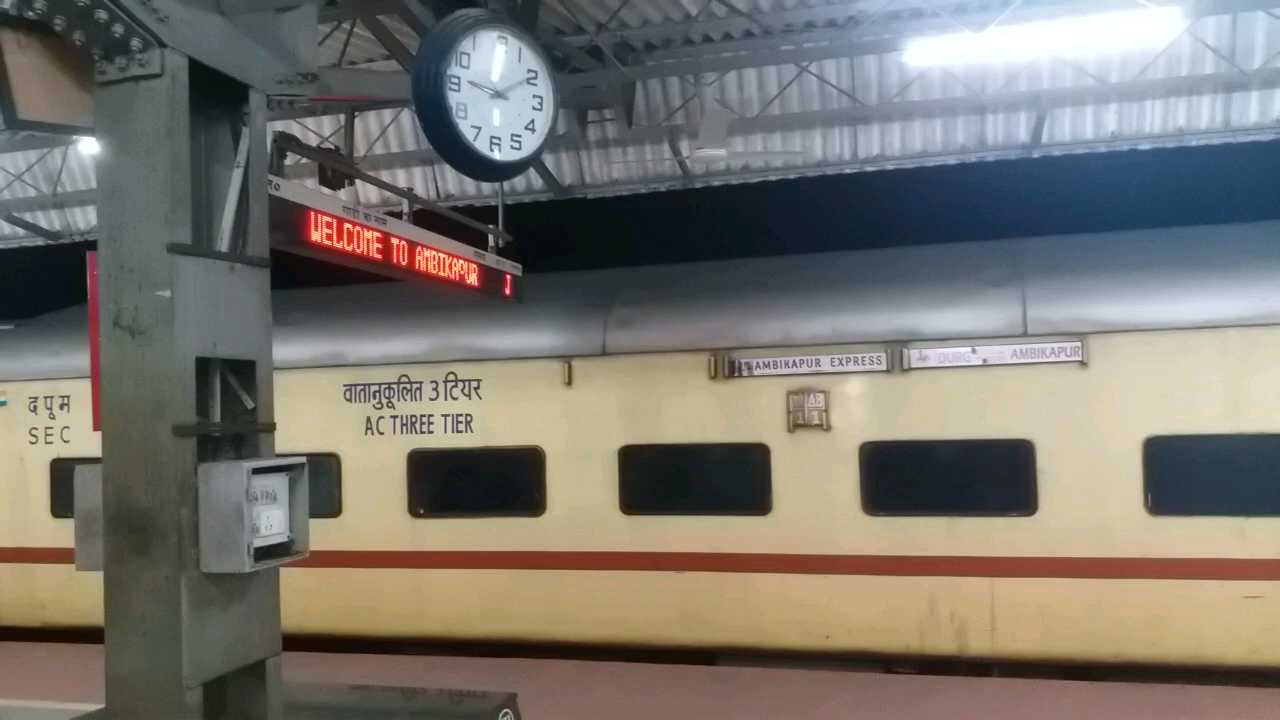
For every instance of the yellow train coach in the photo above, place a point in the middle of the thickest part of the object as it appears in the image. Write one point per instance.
(1058, 449)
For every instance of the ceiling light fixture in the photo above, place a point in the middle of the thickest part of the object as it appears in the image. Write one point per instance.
(1076, 37)
(88, 145)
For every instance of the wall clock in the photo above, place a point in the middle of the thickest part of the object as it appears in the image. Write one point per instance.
(485, 95)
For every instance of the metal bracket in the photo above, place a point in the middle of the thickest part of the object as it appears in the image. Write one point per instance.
(120, 47)
(198, 429)
(238, 258)
(283, 143)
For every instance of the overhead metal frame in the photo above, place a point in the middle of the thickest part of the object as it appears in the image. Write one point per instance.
(603, 61)
(283, 144)
(602, 65)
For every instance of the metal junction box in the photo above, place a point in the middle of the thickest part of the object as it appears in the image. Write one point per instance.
(253, 514)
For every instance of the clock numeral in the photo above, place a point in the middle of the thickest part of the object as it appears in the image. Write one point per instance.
(537, 103)
(455, 83)
(530, 127)
(531, 77)
(519, 53)
(517, 141)
(460, 110)
(502, 40)
(463, 60)
(476, 137)
(495, 144)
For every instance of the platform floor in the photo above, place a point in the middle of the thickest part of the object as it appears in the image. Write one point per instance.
(573, 690)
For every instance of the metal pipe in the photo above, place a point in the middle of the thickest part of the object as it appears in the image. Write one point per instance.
(502, 210)
(232, 203)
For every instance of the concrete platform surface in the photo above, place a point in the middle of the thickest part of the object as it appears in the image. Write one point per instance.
(573, 689)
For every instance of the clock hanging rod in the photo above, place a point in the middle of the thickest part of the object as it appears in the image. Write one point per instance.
(494, 242)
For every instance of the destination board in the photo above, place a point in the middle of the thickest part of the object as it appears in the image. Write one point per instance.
(826, 363)
(1025, 353)
(312, 223)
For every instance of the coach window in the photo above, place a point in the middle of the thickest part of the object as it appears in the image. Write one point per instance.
(62, 485)
(324, 484)
(1225, 475)
(992, 478)
(695, 479)
(477, 482)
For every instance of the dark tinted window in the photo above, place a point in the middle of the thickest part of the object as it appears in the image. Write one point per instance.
(62, 485)
(324, 476)
(1212, 474)
(949, 477)
(710, 479)
(478, 482)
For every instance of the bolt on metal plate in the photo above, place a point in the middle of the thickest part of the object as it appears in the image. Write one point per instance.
(118, 46)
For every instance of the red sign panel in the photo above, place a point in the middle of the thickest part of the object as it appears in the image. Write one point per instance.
(95, 357)
(351, 238)
(309, 223)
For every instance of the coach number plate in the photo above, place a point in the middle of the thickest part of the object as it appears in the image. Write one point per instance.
(808, 409)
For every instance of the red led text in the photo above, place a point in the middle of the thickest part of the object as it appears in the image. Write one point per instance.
(345, 236)
(365, 242)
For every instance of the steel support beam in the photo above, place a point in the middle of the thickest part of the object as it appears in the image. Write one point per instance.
(38, 203)
(243, 7)
(34, 241)
(549, 178)
(22, 142)
(340, 10)
(417, 16)
(39, 231)
(355, 85)
(289, 110)
(673, 144)
(387, 39)
(1037, 130)
(272, 50)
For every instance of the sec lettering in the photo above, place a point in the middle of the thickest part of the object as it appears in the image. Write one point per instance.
(49, 435)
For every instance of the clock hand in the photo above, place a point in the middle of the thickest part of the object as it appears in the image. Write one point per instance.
(502, 93)
(486, 89)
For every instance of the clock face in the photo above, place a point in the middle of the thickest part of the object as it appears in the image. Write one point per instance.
(501, 95)
(485, 95)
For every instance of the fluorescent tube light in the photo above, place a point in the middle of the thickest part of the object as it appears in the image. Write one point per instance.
(1068, 37)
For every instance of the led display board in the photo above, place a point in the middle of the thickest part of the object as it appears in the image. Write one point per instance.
(312, 223)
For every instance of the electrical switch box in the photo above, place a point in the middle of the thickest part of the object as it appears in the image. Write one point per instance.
(253, 514)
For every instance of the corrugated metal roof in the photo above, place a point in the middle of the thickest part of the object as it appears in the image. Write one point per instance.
(605, 160)
(843, 114)
(57, 168)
